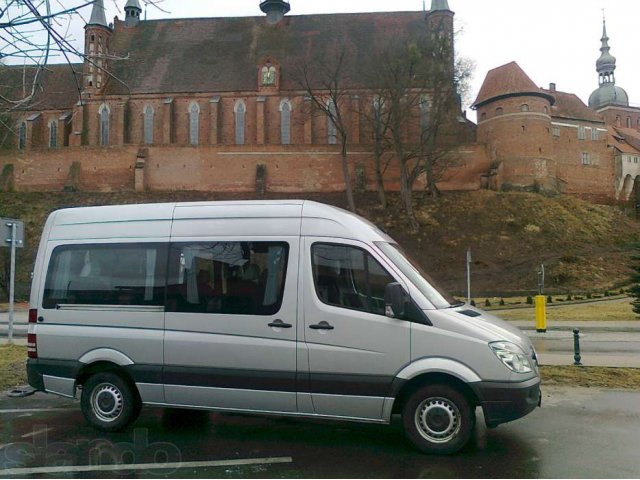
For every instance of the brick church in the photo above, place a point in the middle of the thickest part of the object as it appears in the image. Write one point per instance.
(211, 104)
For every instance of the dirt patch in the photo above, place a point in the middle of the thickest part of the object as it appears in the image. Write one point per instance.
(592, 377)
(13, 370)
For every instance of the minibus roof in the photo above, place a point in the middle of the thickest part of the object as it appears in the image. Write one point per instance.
(155, 220)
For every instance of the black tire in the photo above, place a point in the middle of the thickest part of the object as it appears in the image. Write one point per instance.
(109, 403)
(438, 419)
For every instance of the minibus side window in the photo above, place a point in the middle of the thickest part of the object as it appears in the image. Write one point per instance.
(349, 277)
(106, 274)
(241, 278)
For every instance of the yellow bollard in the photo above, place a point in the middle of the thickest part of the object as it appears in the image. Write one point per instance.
(541, 313)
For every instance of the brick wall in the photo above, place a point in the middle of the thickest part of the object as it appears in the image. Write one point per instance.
(220, 168)
(595, 179)
(622, 116)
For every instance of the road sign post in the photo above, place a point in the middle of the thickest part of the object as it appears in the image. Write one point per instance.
(469, 276)
(13, 233)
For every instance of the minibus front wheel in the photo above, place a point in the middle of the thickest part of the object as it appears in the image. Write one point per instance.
(109, 403)
(438, 419)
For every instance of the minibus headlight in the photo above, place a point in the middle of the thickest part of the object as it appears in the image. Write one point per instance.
(512, 356)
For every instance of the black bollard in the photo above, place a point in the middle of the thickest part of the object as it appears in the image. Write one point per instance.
(576, 347)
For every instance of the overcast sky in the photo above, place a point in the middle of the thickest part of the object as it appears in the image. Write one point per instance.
(552, 40)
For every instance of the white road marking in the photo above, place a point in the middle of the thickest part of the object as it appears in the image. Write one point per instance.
(141, 466)
(36, 432)
(34, 410)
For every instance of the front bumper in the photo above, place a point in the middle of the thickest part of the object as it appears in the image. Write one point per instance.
(505, 402)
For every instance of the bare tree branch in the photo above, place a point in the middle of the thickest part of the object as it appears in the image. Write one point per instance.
(326, 83)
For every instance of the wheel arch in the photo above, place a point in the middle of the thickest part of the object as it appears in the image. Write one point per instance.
(108, 355)
(103, 366)
(432, 371)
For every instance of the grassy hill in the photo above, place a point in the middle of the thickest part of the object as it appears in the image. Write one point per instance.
(585, 247)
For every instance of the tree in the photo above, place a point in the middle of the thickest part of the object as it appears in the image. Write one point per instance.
(33, 35)
(380, 144)
(417, 109)
(327, 83)
(634, 291)
(35, 32)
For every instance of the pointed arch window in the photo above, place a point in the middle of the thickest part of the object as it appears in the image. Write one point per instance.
(332, 130)
(105, 115)
(240, 112)
(194, 124)
(524, 107)
(378, 106)
(148, 125)
(424, 112)
(53, 134)
(22, 136)
(285, 122)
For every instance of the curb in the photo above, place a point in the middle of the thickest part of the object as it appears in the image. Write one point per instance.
(585, 329)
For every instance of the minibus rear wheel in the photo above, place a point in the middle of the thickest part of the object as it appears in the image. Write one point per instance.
(438, 419)
(109, 403)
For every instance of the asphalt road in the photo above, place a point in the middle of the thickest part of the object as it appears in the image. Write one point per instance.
(582, 433)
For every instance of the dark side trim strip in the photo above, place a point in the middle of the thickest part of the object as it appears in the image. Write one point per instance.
(325, 383)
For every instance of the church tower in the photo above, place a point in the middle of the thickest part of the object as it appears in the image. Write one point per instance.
(97, 39)
(275, 10)
(132, 11)
(607, 94)
(440, 24)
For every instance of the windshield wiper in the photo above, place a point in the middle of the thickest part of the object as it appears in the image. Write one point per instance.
(457, 304)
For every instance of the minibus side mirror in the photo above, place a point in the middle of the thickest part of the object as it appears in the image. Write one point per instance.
(395, 301)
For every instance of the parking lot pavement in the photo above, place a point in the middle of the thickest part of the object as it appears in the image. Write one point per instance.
(576, 433)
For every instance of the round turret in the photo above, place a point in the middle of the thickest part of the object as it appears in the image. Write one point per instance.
(514, 122)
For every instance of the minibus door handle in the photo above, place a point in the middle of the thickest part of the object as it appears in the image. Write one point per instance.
(321, 326)
(280, 324)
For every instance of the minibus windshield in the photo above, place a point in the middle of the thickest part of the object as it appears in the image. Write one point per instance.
(418, 277)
